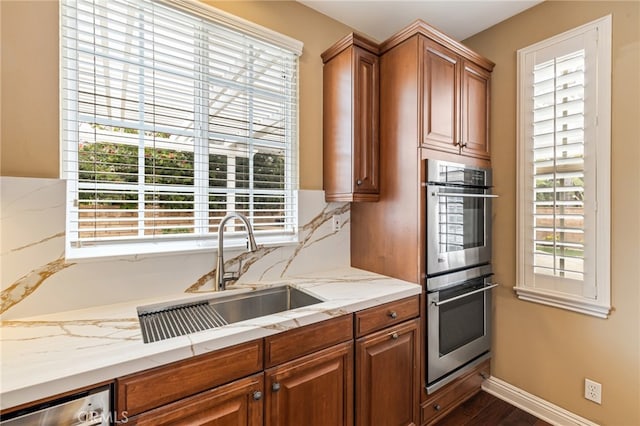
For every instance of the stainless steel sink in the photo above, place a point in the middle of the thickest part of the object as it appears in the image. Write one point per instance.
(163, 322)
(261, 303)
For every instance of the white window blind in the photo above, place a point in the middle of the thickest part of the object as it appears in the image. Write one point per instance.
(563, 170)
(169, 121)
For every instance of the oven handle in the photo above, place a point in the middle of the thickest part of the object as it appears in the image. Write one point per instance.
(456, 194)
(486, 288)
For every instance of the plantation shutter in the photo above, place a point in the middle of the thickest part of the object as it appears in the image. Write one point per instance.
(561, 167)
(558, 150)
(171, 118)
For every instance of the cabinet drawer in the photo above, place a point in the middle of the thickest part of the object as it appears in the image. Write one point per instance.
(238, 402)
(382, 316)
(454, 394)
(305, 340)
(149, 389)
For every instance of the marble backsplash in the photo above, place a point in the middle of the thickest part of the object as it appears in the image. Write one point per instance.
(36, 278)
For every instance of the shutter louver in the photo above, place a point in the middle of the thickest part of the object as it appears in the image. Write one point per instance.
(170, 121)
(558, 166)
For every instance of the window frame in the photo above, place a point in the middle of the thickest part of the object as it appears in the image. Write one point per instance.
(598, 302)
(197, 240)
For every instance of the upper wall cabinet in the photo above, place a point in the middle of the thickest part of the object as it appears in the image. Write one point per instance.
(474, 110)
(455, 102)
(440, 97)
(350, 120)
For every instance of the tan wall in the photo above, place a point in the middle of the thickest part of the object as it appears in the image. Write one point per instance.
(30, 117)
(29, 135)
(548, 351)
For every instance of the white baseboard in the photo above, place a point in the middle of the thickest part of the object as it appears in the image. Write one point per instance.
(532, 404)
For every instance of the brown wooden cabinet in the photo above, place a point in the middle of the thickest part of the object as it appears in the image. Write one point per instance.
(308, 380)
(443, 401)
(434, 94)
(388, 376)
(475, 110)
(350, 120)
(315, 390)
(140, 392)
(312, 375)
(455, 102)
(239, 403)
(440, 97)
(434, 97)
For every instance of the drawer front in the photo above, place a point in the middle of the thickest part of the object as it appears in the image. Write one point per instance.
(382, 316)
(149, 389)
(236, 403)
(305, 340)
(454, 394)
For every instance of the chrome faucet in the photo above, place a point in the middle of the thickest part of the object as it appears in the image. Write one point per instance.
(221, 280)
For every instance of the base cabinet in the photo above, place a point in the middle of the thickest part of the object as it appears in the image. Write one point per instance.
(315, 390)
(443, 401)
(236, 404)
(361, 369)
(387, 376)
(163, 386)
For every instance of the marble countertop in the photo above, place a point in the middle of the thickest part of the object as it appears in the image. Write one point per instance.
(50, 354)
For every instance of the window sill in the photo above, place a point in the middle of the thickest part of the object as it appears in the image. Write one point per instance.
(140, 251)
(563, 301)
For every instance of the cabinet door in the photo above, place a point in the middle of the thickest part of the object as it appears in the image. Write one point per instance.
(387, 376)
(475, 111)
(365, 144)
(239, 403)
(315, 390)
(440, 97)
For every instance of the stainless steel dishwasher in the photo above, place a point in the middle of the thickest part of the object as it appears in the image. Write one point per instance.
(87, 408)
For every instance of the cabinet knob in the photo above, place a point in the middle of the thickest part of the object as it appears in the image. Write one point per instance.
(394, 336)
(393, 315)
(275, 387)
(257, 395)
(359, 182)
(436, 407)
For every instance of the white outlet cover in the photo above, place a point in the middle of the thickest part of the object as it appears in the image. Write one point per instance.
(593, 391)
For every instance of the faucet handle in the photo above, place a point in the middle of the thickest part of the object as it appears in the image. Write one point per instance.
(230, 276)
(233, 275)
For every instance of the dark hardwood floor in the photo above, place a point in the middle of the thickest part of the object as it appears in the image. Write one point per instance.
(487, 410)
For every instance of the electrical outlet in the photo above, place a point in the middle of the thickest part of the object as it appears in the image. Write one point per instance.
(593, 391)
(336, 223)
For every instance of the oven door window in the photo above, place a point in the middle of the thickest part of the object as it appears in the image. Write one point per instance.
(461, 219)
(461, 321)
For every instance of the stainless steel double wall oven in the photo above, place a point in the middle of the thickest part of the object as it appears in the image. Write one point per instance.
(458, 269)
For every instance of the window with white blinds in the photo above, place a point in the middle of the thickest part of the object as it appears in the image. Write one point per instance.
(173, 115)
(563, 170)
